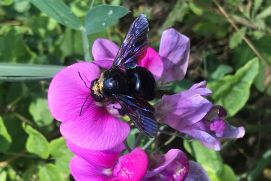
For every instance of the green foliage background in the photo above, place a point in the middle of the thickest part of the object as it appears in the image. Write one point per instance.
(230, 48)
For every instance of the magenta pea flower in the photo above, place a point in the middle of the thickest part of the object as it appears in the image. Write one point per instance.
(108, 165)
(175, 166)
(96, 128)
(191, 113)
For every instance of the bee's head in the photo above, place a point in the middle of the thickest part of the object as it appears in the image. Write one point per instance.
(96, 89)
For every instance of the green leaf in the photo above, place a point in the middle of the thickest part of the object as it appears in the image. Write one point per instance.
(61, 154)
(220, 72)
(236, 38)
(49, 172)
(256, 5)
(6, 2)
(58, 10)
(5, 138)
(22, 5)
(211, 161)
(227, 174)
(36, 142)
(131, 139)
(13, 48)
(3, 175)
(181, 8)
(265, 13)
(259, 81)
(103, 16)
(195, 9)
(17, 72)
(232, 91)
(40, 112)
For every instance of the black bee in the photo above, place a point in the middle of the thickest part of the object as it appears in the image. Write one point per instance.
(129, 84)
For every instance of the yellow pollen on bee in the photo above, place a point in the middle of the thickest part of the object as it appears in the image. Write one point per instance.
(98, 86)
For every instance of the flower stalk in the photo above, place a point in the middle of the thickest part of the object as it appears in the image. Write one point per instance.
(85, 45)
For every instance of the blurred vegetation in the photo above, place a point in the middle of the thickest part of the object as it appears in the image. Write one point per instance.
(230, 48)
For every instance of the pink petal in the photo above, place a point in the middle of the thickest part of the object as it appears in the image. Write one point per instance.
(132, 166)
(152, 62)
(196, 172)
(95, 129)
(67, 92)
(106, 158)
(81, 170)
(172, 166)
(174, 50)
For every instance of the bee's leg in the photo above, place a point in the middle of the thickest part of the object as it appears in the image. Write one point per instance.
(84, 104)
(83, 80)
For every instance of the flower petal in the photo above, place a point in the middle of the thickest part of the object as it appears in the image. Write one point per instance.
(95, 129)
(103, 49)
(233, 132)
(205, 138)
(106, 159)
(200, 88)
(67, 91)
(105, 63)
(174, 50)
(182, 109)
(196, 172)
(152, 62)
(173, 166)
(81, 170)
(132, 166)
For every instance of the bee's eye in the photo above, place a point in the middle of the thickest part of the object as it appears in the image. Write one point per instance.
(110, 86)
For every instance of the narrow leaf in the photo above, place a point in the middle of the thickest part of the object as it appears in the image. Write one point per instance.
(27, 71)
(265, 13)
(58, 10)
(103, 16)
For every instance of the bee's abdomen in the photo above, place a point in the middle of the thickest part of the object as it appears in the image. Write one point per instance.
(142, 82)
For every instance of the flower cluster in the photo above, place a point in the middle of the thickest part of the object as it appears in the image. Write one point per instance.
(97, 135)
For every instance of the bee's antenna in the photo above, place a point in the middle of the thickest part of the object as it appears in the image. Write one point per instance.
(83, 80)
(84, 104)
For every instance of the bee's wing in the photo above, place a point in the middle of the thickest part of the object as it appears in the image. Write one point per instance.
(140, 112)
(134, 44)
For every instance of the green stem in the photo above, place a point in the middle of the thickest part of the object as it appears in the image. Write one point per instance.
(91, 4)
(86, 45)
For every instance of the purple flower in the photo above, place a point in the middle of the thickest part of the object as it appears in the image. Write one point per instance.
(190, 113)
(174, 166)
(108, 164)
(96, 128)
(169, 65)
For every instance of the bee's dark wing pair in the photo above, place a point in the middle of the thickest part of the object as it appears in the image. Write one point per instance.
(140, 112)
(133, 46)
